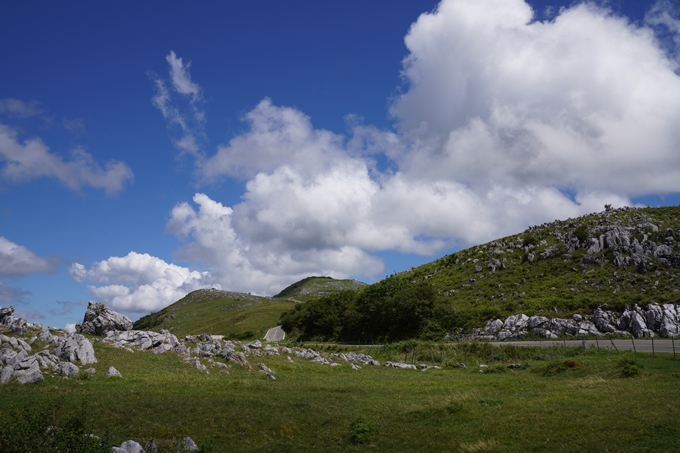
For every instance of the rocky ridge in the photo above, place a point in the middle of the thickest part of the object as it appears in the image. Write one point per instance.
(655, 319)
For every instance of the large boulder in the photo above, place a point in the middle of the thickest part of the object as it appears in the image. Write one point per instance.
(99, 319)
(74, 347)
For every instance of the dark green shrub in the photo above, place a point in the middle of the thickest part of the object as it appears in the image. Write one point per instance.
(360, 430)
(629, 368)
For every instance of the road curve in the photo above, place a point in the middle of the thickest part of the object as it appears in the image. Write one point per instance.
(275, 334)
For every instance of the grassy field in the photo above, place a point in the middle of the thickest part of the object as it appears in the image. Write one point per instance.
(563, 400)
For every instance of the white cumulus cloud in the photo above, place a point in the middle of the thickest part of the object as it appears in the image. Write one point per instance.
(505, 122)
(32, 159)
(18, 261)
(140, 282)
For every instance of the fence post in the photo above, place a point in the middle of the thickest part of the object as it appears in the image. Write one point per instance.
(612, 341)
(598, 344)
(652, 344)
(632, 338)
(673, 340)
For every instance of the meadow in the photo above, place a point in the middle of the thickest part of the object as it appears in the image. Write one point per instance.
(561, 399)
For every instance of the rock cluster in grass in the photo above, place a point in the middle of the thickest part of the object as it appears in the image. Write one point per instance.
(60, 355)
(99, 320)
(131, 446)
(7, 319)
(158, 343)
(655, 319)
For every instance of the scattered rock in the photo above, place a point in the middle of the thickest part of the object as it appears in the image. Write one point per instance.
(151, 447)
(66, 369)
(187, 444)
(112, 372)
(30, 377)
(403, 366)
(129, 446)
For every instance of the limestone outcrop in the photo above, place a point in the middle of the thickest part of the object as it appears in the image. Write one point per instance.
(15, 325)
(99, 319)
(655, 319)
(58, 357)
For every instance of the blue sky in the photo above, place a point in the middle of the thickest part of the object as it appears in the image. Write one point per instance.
(150, 149)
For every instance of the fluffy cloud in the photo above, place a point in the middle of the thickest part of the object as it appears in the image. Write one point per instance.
(587, 102)
(505, 122)
(180, 105)
(31, 159)
(278, 136)
(140, 282)
(241, 263)
(18, 261)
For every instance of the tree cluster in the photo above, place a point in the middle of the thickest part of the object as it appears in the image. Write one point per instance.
(390, 310)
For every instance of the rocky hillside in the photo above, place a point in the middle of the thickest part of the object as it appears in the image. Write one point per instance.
(619, 256)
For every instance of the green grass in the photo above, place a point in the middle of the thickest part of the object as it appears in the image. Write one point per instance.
(314, 287)
(237, 315)
(309, 407)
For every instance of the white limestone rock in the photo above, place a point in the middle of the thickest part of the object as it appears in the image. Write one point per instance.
(99, 319)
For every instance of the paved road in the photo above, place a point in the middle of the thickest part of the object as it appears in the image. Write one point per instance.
(662, 346)
(275, 334)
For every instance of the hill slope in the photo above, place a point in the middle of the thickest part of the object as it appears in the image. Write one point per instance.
(238, 315)
(235, 315)
(315, 287)
(619, 257)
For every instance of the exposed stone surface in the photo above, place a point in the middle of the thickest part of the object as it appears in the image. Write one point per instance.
(74, 347)
(129, 446)
(187, 444)
(66, 369)
(112, 372)
(404, 366)
(15, 325)
(30, 377)
(656, 319)
(99, 319)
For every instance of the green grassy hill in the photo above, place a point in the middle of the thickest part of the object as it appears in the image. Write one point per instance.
(315, 287)
(619, 257)
(237, 315)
